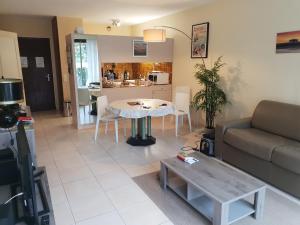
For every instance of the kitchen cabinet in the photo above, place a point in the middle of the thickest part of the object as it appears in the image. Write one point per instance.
(114, 94)
(119, 49)
(10, 65)
(163, 92)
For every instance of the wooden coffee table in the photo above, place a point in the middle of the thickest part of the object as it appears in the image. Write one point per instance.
(215, 189)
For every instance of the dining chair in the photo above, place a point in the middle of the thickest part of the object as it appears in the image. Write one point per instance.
(103, 114)
(184, 89)
(182, 106)
(84, 98)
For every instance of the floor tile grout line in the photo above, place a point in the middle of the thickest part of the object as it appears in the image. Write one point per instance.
(129, 178)
(106, 194)
(140, 189)
(61, 183)
(93, 174)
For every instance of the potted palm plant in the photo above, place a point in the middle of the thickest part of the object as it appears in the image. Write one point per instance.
(211, 98)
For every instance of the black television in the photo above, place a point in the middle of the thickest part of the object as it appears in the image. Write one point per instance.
(27, 182)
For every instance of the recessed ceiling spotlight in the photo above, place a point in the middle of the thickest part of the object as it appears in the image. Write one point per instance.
(108, 28)
(116, 22)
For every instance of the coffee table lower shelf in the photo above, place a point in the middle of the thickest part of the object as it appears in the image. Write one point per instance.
(203, 204)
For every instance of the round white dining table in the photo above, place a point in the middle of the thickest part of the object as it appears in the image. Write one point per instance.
(140, 111)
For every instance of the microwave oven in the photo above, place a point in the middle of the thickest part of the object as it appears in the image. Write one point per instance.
(159, 77)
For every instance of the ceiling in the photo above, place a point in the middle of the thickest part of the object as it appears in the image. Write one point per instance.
(101, 11)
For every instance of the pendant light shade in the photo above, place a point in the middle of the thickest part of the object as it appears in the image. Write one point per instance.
(154, 35)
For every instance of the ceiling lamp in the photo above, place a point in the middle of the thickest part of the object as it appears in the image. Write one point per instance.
(158, 34)
(116, 23)
(154, 35)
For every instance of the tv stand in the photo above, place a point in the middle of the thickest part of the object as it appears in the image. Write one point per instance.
(5, 139)
(13, 216)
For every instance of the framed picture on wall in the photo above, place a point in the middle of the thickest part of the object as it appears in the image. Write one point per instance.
(140, 48)
(288, 42)
(199, 44)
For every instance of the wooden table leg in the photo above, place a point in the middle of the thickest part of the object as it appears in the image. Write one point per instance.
(163, 175)
(221, 213)
(259, 200)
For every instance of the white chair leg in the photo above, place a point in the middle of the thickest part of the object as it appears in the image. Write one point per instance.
(116, 131)
(97, 129)
(124, 126)
(106, 127)
(163, 123)
(190, 123)
(176, 125)
(84, 110)
(182, 120)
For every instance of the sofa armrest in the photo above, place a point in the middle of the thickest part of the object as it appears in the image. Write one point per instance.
(241, 123)
(221, 129)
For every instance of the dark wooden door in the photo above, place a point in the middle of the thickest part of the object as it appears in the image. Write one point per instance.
(37, 73)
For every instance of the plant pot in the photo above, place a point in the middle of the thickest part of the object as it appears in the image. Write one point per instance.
(209, 133)
(209, 130)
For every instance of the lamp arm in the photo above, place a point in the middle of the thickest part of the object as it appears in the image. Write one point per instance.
(173, 28)
(180, 31)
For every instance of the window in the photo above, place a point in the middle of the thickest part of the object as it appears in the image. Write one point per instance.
(81, 62)
(87, 65)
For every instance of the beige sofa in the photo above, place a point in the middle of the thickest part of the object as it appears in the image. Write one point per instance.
(266, 145)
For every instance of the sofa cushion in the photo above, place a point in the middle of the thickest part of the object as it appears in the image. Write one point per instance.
(278, 118)
(287, 156)
(253, 141)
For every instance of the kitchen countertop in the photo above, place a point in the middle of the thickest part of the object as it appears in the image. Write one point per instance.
(163, 92)
(135, 86)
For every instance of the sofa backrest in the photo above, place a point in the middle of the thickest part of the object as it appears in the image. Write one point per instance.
(279, 118)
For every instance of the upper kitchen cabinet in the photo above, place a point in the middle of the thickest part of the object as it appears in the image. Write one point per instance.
(10, 65)
(120, 49)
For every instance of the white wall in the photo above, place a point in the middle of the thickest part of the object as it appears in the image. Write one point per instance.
(100, 29)
(119, 49)
(244, 33)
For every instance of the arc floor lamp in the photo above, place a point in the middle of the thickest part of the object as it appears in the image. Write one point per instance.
(158, 34)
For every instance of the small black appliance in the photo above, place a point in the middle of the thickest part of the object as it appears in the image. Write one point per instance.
(207, 145)
(11, 94)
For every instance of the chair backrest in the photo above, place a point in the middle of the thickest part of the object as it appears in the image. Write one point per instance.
(102, 104)
(182, 101)
(184, 89)
(83, 96)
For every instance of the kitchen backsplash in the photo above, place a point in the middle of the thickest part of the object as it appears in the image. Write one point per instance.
(136, 69)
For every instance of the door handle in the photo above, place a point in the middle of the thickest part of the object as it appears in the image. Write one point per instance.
(48, 76)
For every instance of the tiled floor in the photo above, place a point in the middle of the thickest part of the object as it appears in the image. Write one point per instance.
(91, 183)
(84, 115)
